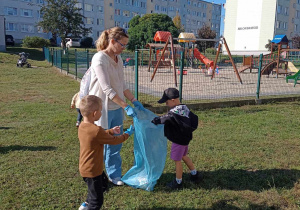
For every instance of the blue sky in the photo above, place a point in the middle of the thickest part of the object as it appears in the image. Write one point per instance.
(222, 13)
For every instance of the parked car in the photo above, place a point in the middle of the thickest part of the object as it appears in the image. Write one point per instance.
(72, 42)
(9, 39)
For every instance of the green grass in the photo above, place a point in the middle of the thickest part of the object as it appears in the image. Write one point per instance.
(249, 155)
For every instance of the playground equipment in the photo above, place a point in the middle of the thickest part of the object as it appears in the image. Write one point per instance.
(275, 61)
(163, 36)
(295, 77)
(208, 63)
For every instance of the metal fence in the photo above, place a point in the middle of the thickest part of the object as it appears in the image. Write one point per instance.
(191, 76)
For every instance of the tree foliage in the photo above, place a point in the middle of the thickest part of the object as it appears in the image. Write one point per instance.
(142, 29)
(296, 41)
(177, 23)
(268, 46)
(63, 18)
(206, 33)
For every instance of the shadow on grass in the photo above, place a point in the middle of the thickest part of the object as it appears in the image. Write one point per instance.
(35, 54)
(230, 179)
(5, 128)
(7, 149)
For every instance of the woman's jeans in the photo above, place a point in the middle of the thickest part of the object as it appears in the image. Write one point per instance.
(112, 157)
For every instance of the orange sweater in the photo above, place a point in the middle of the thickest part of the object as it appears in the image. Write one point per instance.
(92, 139)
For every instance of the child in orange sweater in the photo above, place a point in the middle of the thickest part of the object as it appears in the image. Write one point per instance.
(92, 139)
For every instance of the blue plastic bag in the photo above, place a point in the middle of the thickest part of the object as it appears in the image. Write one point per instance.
(150, 151)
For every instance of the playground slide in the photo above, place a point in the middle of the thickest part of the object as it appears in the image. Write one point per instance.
(202, 58)
(292, 68)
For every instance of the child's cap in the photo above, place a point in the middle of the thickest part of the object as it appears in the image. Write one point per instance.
(170, 93)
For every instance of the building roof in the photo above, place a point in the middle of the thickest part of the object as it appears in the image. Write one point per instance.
(280, 39)
(186, 37)
(161, 36)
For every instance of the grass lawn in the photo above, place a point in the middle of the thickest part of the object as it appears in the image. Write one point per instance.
(249, 155)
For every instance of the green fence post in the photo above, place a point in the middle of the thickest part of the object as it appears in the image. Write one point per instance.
(76, 63)
(68, 68)
(259, 76)
(181, 75)
(142, 56)
(87, 59)
(51, 56)
(136, 87)
(61, 60)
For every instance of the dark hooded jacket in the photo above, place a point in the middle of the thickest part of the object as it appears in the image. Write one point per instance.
(180, 123)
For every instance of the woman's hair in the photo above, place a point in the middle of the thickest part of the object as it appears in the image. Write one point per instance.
(90, 104)
(108, 34)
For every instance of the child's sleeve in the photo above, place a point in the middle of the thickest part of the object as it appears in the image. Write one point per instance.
(73, 99)
(105, 137)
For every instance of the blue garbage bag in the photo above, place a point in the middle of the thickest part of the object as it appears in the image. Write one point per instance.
(150, 151)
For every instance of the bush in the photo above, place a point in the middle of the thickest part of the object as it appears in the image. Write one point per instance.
(212, 51)
(86, 42)
(35, 42)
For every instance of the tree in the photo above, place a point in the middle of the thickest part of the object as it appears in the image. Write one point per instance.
(206, 33)
(63, 18)
(177, 23)
(142, 29)
(268, 46)
(296, 41)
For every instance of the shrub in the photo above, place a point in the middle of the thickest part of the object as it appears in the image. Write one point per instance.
(35, 42)
(86, 42)
(212, 51)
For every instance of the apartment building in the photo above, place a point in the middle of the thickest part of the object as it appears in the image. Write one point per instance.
(248, 25)
(22, 15)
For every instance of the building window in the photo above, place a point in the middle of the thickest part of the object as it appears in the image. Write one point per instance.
(78, 5)
(125, 25)
(40, 1)
(204, 6)
(143, 4)
(99, 21)
(27, 0)
(286, 11)
(127, 2)
(40, 14)
(157, 7)
(100, 8)
(40, 30)
(117, 12)
(27, 28)
(171, 8)
(10, 11)
(110, 4)
(297, 14)
(189, 2)
(117, 23)
(26, 12)
(89, 20)
(118, 1)
(277, 24)
(279, 8)
(126, 13)
(199, 4)
(11, 27)
(284, 25)
(204, 14)
(88, 7)
(134, 14)
(164, 9)
(295, 27)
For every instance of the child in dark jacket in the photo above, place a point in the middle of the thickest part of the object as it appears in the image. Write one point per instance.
(179, 123)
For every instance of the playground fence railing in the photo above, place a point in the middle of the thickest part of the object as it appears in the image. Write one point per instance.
(193, 78)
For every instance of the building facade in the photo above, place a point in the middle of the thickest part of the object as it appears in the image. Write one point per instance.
(23, 15)
(248, 25)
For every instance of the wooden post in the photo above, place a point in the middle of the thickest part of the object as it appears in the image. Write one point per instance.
(278, 59)
(231, 59)
(163, 52)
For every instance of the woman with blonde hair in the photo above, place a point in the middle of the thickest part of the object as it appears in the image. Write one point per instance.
(107, 82)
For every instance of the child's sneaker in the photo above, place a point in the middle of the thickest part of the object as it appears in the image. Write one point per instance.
(174, 185)
(196, 178)
(77, 124)
(83, 206)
